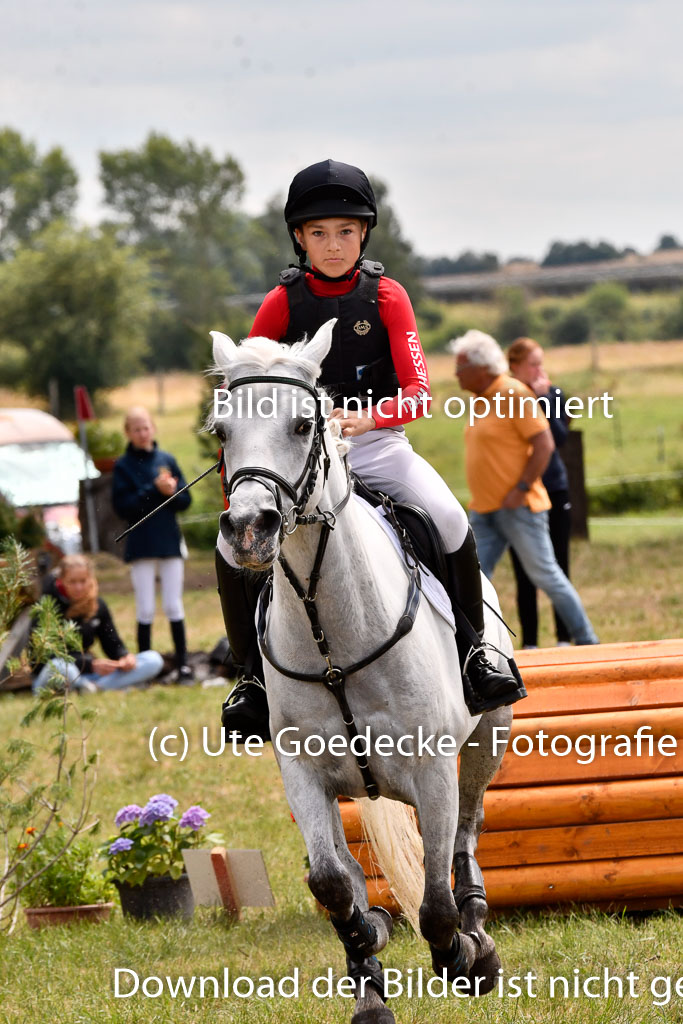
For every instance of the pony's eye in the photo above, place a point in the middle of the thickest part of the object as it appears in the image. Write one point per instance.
(219, 431)
(304, 428)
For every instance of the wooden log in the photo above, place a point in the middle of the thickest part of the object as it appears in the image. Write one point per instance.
(545, 806)
(571, 843)
(593, 653)
(518, 770)
(592, 673)
(548, 806)
(619, 878)
(561, 698)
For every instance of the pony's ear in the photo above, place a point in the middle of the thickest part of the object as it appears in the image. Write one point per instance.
(224, 349)
(319, 345)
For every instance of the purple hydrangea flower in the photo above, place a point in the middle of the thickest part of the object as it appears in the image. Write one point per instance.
(131, 812)
(194, 817)
(158, 808)
(120, 845)
(165, 797)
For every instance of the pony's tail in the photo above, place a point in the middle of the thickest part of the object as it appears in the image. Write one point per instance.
(391, 829)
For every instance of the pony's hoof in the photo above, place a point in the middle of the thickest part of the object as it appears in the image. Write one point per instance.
(484, 974)
(382, 1015)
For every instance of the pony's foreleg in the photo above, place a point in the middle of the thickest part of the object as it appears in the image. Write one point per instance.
(368, 975)
(479, 761)
(362, 932)
(437, 811)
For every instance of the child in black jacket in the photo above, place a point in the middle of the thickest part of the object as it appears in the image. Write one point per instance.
(144, 477)
(74, 590)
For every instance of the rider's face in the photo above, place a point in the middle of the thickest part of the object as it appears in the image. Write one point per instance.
(332, 243)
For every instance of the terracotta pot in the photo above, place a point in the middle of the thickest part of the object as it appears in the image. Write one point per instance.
(105, 463)
(43, 917)
(158, 896)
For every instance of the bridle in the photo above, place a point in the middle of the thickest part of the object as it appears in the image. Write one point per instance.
(302, 489)
(332, 676)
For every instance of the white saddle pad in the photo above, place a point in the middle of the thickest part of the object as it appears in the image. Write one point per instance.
(432, 589)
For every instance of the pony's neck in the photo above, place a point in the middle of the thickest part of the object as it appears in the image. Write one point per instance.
(346, 569)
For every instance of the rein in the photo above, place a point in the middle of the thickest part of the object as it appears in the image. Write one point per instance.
(333, 677)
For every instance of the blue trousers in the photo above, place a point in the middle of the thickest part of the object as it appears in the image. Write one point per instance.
(528, 535)
(148, 666)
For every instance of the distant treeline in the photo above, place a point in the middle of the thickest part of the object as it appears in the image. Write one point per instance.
(558, 254)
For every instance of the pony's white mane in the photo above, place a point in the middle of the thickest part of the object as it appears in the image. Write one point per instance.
(262, 355)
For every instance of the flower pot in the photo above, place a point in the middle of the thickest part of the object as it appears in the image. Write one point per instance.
(105, 463)
(42, 917)
(158, 896)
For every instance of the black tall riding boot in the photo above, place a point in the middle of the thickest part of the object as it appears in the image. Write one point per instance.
(245, 709)
(144, 636)
(185, 673)
(485, 687)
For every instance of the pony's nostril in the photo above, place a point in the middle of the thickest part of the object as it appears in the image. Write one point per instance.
(225, 526)
(268, 521)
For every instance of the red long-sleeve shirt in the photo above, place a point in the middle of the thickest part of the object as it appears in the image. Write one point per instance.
(396, 313)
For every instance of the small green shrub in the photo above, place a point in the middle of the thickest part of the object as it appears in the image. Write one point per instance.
(573, 328)
(71, 881)
(635, 496)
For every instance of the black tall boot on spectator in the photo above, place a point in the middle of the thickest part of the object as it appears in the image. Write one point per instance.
(485, 687)
(245, 709)
(185, 673)
(144, 636)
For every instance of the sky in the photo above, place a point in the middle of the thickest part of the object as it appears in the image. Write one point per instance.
(498, 125)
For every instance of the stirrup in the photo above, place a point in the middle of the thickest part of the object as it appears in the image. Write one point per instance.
(478, 703)
(241, 688)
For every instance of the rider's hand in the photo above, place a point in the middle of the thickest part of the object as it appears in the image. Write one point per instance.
(127, 663)
(353, 424)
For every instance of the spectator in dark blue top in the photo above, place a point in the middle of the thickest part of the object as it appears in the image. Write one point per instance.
(525, 358)
(144, 477)
(75, 592)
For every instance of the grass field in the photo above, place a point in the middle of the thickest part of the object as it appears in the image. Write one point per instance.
(67, 975)
(629, 577)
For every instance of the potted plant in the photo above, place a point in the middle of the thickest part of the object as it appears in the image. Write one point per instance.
(104, 446)
(66, 886)
(146, 858)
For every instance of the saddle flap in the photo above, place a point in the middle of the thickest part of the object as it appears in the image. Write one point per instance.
(419, 526)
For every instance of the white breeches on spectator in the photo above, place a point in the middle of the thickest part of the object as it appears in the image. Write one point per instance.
(143, 573)
(385, 460)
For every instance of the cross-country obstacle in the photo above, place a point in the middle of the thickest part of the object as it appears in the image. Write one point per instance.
(563, 826)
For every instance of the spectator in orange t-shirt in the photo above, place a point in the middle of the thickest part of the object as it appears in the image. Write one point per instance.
(507, 449)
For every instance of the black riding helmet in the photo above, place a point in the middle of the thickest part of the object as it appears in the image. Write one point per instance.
(329, 189)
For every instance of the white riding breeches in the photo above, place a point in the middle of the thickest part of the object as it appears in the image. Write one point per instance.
(143, 573)
(385, 460)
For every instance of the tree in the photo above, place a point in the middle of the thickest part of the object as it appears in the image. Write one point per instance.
(34, 190)
(561, 253)
(467, 262)
(516, 318)
(79, 305)
(388, 245)
(178, 203)
(607, 305)
(668, 242)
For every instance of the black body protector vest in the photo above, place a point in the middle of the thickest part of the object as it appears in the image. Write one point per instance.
(360, 356)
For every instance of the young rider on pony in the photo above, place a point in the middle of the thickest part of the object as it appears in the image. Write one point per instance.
(330, 212)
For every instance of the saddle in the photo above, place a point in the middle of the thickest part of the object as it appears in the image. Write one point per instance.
(419, 526)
